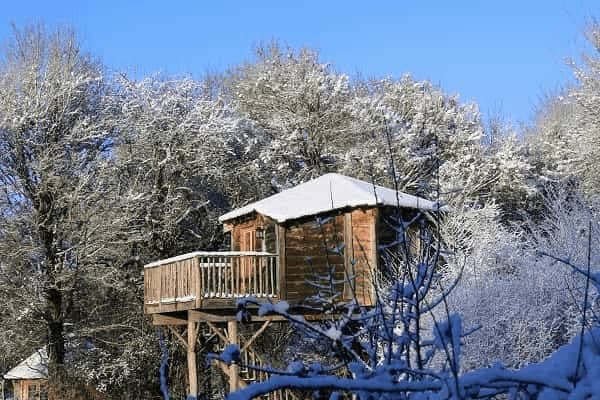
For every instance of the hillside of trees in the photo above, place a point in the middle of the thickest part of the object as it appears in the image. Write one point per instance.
(101, 172)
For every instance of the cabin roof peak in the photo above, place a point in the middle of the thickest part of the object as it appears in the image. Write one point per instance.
(327, 193)
(33, 367)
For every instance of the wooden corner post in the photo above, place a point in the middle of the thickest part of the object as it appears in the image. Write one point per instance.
(349, 279)
(281, 258)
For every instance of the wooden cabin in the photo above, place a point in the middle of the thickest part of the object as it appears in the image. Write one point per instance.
(278, 242)
(30, 377)
(278, 245)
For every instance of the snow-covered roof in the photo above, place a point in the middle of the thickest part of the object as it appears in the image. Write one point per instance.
(326, 193)
(33, 367)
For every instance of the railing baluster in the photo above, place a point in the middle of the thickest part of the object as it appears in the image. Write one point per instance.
(223, 277)
(219, 273)
(264, 277)
(238, 275)
(201, 277)
(255, 274)
(208, 276)
(271, 269)
(205, 277)
(259, 261)
(230, 264)
(215, 289)
(213, 271)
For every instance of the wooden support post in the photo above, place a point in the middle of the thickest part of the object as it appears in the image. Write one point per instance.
(192, 331)
(234, 369)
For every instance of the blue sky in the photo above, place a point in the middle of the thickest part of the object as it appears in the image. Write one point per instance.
(505, 55)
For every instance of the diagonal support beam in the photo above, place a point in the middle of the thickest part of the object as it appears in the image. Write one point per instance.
(217, 331)
(249, 342)
(179, 337)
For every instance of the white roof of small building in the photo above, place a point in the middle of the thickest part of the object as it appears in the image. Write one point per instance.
(33, 367)
(326, 193)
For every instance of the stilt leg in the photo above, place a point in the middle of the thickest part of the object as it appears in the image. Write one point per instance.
(234, 369)
(191, 360)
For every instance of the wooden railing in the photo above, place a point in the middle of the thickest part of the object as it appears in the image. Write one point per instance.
(239, 275)
(189, 281)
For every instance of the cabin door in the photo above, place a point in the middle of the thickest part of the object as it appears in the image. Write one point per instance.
(248, 240)
(247, 262)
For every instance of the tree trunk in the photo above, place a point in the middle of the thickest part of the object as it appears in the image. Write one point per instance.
(56, 344)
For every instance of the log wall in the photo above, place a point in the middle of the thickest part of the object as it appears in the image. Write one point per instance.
(363, 250)
(306, 244)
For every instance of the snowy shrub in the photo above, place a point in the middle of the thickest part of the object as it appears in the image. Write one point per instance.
(502, 291)
(524, 305)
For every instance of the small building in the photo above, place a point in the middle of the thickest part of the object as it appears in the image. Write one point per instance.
(30, 377)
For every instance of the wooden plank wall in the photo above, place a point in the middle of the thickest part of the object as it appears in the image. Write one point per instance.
(21, 389)
(364, 252)
(306, 254)
(270, 236)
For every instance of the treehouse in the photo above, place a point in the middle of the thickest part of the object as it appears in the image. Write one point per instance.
(330, 225)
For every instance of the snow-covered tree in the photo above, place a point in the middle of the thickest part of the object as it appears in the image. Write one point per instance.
(300, 105)
(564, 141)
(172, 160)
(525, 305)
(54, 139)
(585, 95)
(552, 150)
(425, 132)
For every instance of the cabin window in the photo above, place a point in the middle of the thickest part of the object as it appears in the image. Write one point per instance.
(227, 243)
(36, 391)
(32, 392)
(43, 392)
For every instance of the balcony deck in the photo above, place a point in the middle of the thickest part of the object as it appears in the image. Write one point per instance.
(209, 280)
